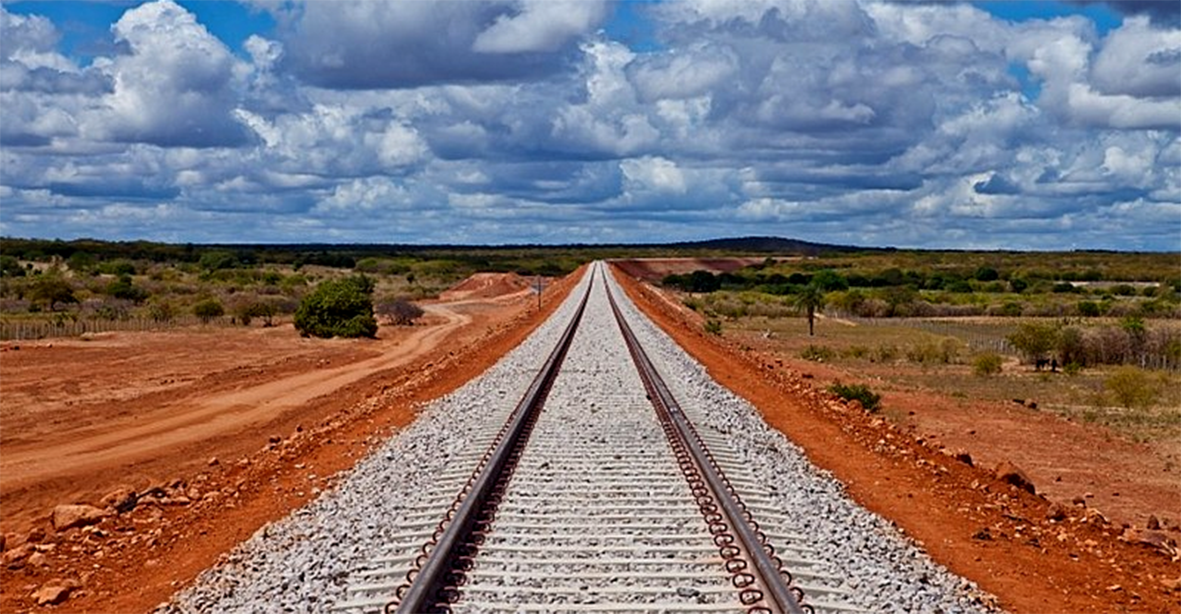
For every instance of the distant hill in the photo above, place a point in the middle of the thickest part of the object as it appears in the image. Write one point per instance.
(344, 254)
(764, 244)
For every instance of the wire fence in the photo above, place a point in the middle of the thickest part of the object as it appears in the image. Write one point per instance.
(25, 330)
(993, 338)
(980, 339)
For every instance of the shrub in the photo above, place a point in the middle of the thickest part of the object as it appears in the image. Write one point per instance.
(988, 363)
(1132, 387)
(1011, 309)
(1089, 309)
(869, 400)
(1071, 346)
(247, 310)
(217, 260)
(123, 288)
(816, 353)
(51, 290)
(944, 352)
(399, 311)
(884, 353)
(209, 309)
(1034, 339)
(855, 351)
(162, 312)
(11, 267)
(338, 308)
(713, 326)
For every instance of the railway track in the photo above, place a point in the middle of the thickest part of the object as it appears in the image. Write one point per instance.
(600, 491)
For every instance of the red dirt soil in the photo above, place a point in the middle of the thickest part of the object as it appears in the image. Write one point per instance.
(486, 285)
(150, 411)
(969, 520)
(655, 269)
(1035, 555)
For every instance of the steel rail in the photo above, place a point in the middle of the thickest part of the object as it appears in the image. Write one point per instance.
(423, 594)
(782, 597)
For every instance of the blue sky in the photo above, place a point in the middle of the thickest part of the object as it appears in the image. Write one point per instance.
(1018, 125)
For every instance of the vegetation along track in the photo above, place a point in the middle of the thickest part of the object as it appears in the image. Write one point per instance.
(614, 485)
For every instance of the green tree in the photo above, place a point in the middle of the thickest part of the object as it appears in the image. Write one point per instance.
(829, 281)
(1072, 347)
(218, 259)
(703, 281)
(1034, 339)
(809, 299)
(51, 290)
(11, 267)
(338, 308)
(123, 288)
(81, 262)
(987, 273)
(209, 309)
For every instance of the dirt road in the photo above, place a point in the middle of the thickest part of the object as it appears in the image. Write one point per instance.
(192, 415)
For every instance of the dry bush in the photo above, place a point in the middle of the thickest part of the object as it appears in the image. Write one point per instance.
(400, 312)
(1132, 387)
(988, 363)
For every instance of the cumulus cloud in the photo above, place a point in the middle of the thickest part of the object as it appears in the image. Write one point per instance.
(174, 87)
(904, 123)
(1140, 60)
(653, 173)
(337, 140)
(685, 73)
(541, 26)
(357, 44)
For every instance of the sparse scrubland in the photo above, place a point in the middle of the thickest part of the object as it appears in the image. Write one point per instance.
(1091, 336)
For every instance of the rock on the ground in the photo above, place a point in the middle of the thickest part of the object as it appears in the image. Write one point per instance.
(55, 591)
(122, 500)
(67, 516)
(15, 558)
(1010, 474)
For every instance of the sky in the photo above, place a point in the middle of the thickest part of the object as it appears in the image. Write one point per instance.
(972, 125)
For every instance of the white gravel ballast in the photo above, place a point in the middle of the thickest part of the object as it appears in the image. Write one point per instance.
(348, 549)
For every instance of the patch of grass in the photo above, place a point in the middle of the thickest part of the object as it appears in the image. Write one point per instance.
(855, 351)
(817, 353)
(870, 400)
(884, 353)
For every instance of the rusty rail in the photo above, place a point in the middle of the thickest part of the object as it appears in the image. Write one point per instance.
(433, 584)
(763, 585)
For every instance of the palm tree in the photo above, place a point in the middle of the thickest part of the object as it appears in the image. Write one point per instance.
(810, 298)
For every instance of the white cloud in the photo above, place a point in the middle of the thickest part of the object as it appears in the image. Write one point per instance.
(874, 122)
(1140, 60)
(363, 195)
(653, 173)
(685, 73)
(175, 86)
(541, 25)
